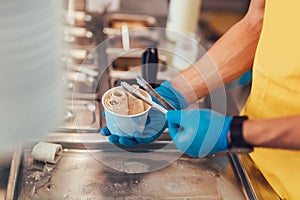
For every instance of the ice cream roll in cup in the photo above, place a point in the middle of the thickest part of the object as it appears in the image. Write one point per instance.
(125, 114)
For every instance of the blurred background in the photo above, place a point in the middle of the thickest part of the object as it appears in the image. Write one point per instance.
(61, 77)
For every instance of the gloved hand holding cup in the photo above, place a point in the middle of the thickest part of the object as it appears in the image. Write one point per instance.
(155, 123)
(125, 114)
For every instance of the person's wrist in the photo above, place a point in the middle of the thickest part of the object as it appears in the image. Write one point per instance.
(171, 95)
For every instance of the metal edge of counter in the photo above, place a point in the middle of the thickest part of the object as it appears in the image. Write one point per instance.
(260, 186)
(14, 174)
(242, 174)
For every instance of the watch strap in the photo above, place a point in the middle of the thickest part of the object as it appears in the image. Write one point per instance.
(236, 133)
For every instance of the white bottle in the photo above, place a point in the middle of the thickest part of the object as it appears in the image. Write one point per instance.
(186, 51)
(183, 17)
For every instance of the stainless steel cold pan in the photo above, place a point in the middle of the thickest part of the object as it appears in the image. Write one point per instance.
(82, 174)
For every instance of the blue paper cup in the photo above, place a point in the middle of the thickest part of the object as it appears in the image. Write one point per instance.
(125, 125)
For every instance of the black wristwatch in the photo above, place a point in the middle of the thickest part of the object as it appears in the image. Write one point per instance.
(237, 143)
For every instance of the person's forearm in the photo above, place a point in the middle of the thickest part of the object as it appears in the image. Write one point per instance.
(275, 133)
(229, 57)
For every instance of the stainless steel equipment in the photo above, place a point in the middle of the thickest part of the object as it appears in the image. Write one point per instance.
(187, 178)
(143, 83)
(133, 91)
(112, 23)
(81, 116)
(125, 67)
(78, 19)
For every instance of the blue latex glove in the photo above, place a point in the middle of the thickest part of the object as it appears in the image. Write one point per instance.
(198, 132)
(156, 122)
(241, 81)
(155, 126)
(171, 95)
